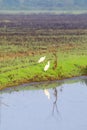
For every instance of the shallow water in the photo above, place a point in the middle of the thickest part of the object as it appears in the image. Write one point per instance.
(59, 105)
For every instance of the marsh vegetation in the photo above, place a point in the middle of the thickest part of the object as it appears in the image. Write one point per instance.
(25, 38)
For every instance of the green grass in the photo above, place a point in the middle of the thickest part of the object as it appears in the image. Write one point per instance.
(68, 66)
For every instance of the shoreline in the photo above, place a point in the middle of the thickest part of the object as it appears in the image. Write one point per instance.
(57, 12)
(28, 82)
(55, 80)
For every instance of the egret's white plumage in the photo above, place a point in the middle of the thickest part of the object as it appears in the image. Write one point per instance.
(46, 92)
(41, 59)
(47, 66)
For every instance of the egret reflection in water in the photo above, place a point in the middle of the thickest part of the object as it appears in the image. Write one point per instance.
(54, 94)
(55, 101)
(47, 93)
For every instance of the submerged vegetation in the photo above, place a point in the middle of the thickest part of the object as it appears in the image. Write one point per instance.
(26, 38)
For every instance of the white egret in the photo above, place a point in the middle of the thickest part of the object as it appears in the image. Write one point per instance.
(41, 59)
(47, 66)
